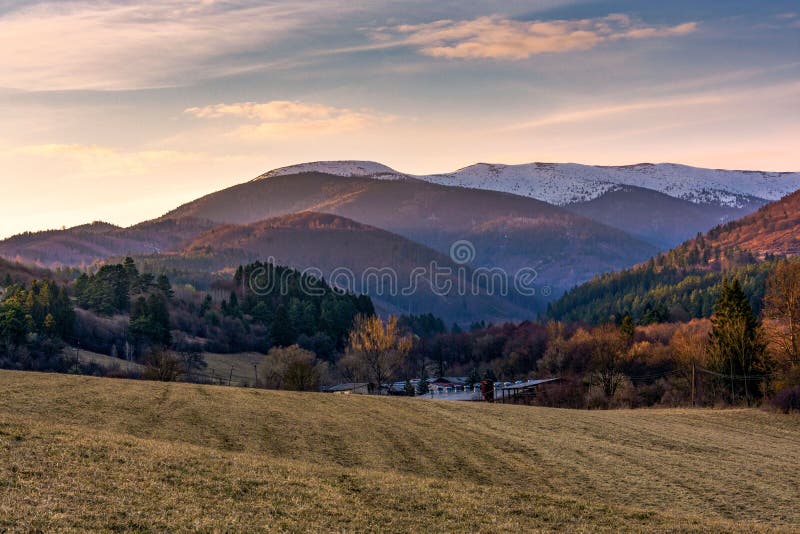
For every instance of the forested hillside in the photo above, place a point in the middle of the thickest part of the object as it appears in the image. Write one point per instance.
(684, 282)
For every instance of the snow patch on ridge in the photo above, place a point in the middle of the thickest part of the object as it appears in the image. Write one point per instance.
(347, 169)
(569, 183)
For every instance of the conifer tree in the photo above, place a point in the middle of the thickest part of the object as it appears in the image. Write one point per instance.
(422, 386)
(735, 342)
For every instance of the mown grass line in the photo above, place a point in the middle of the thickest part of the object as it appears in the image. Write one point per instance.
(88, 453)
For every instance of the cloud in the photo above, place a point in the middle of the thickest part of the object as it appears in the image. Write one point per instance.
(114, 44)
(281, 118)
(496, 37)
(105, 161)
(703, 100)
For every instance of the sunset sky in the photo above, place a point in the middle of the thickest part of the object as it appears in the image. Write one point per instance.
(120, 111)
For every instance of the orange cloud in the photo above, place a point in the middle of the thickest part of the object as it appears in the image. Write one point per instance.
(280, 118)
(495, 37)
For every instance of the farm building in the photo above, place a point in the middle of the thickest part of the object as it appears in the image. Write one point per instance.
(519, 392)
(350, 388)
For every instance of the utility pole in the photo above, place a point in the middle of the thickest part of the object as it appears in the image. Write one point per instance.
(693, 382)
(230, 376)
(255, 372)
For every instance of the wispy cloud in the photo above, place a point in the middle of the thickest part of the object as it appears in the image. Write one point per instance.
(496, 37)
(114, 44)
(280, 118)
(107, 161)
(599, 111)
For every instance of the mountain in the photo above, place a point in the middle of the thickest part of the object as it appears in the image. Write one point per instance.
(507, 231)
(655, 217)
(568, 183)
(676, 201)
(353, 256)
(85, 244)
(683, 282)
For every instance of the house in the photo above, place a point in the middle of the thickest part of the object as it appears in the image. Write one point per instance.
(349, 388)
(448, 383)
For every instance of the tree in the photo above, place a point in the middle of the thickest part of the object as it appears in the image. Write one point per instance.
(474, 376)
(13, 324)
(163, 285)
(161, 365)
(422, 386)
(689, 348)
(608, 349)
(735, 341)
(291, 368)
(283, 334)
(627, 326)
(782, 312)
(408, 388)
(149, 320)
(190, 354)
(376, 349)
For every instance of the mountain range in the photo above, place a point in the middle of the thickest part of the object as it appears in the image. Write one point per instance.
(567, 222)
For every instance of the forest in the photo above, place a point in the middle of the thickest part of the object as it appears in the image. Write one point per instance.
(740, 346)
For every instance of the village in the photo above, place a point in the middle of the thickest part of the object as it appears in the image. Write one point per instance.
(452, 388)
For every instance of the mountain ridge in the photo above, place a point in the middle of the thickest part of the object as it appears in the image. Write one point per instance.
(566, 183)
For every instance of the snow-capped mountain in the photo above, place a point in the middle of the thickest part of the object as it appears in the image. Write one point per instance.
(569, 183)
(347, 169)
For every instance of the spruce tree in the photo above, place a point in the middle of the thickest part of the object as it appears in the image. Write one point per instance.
(736, 343)
(283, 334)
(422, 386)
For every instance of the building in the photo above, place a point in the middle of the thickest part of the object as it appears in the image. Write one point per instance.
(349, 388)
(522, 392)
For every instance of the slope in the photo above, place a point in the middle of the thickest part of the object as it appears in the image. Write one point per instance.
(99, 454)
(85, 244)
(361, 258)
(684, 280)
(654, 217)
(506, 231)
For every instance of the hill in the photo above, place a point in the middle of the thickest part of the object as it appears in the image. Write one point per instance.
(683, 282)
(507, 231)
(18, 272)
(85, 244)
(655, 217)
(356, 254)
(99, 454)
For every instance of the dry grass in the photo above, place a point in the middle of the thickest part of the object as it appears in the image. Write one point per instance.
(219, 367)
(103, 360)
(80, 453)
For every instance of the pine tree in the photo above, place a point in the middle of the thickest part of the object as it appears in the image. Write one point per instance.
(283, 334)
(474, 377)
(627, 326)
(164, 286)
(736, 342)
(422, 386)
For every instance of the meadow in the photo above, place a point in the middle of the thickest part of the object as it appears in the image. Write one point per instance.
(83, 453)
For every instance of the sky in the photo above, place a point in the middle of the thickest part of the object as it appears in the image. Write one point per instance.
(120, 111)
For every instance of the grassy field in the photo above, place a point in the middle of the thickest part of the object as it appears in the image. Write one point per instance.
(81, 453)
(237, 367)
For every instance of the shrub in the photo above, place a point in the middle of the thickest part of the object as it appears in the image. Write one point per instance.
(787, 400)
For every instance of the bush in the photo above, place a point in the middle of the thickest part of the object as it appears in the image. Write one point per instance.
(787, 400)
